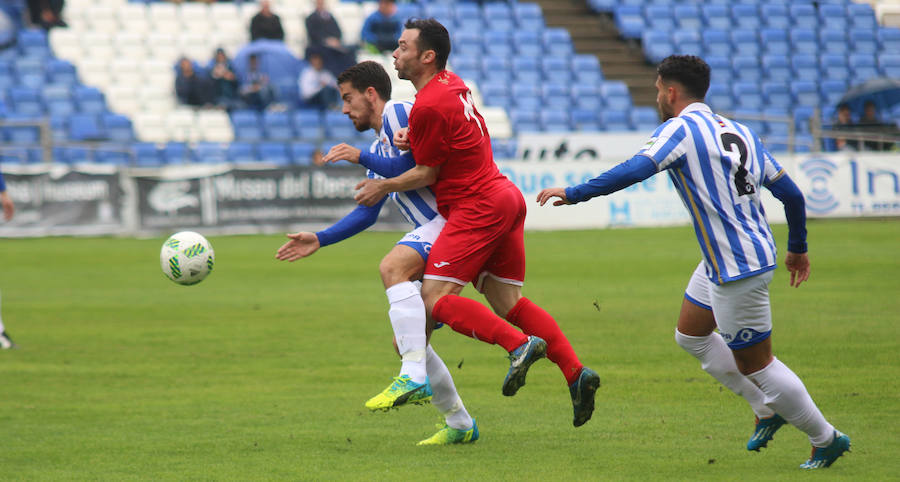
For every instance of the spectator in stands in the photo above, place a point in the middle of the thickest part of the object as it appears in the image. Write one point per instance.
(46, 13)
(222, 73)
(324, 37)
(265, 24)
(256, 91)
(382, 28)
(844, 123)
(318, 87)
(871, 123)
(192, 88)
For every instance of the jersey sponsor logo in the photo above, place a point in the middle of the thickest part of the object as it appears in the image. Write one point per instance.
(441, 264)
(649, 143)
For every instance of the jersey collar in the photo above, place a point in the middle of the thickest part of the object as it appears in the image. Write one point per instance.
(695, 107)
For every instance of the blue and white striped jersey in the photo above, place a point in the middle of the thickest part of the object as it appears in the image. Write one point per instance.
(718, 167)
(418, 206)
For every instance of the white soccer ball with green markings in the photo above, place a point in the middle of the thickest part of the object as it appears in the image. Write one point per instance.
(187, 258)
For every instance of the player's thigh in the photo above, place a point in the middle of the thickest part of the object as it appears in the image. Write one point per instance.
(742, 310)
(402, 263)
(696, 315)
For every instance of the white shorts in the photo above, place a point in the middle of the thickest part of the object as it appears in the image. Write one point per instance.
(421, 238)
(741, 308)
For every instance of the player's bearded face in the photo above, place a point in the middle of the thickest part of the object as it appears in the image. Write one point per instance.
(406, 56)
(356, 107)
(662, 100)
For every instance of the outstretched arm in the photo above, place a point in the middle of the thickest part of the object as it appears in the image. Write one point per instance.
(304, 244)
(797, 261)
(623, 175)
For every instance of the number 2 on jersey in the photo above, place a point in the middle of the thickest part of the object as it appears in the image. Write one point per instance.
(730, 141)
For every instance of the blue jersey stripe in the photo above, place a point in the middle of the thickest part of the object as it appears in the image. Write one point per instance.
(401, 114)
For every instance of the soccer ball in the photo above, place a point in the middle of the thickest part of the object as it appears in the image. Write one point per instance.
(186, 258)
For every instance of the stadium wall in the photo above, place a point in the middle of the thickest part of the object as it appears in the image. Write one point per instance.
(225, 199)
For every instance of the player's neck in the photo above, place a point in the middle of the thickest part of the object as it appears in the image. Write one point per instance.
(377, 113)
(423, 79)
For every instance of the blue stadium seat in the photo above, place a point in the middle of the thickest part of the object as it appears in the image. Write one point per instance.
(528, 16)
(776, 68)
(802, 118)
(61, 72)
(90, 100)
(716, 16)
(529, 75)
(584, 119)
(495, 93)
(73, 155)
(211, 152)
(278, 126)
(716, 42)
(615, 120)
(719, 97)
(745, 41)
(407, 10)
(241, 152)
(14, 155)
(803, 15)
(832, 16)
(658, 17)
(59, 127)
(831, 91)
(862, 67)
(805, 93)
(145, 154)
(863, 41)
(526, 62)
(496, 10)
(275, 152)
(176, 153)
(746, 67)
(86, 127)
(507, 24)
(465, 13)
(804, 41)
(443, 12)
(555, 120)
(302, 153)
(644, 118)
(776, 93)
(585, 63)
(338, 126)
(747, 95)
(555, 94)
(615, 95)
(117, 127)
(890, 65)
(805, 67)
(495, 62)
(833, 41)
(687, 42)
(60, 107)
(112, 153)
(629, 20)
(746, 15)
(247, 125)
(720, 68)
(657, 45)
(775, 15)
(497, 42)
(522, 90)
(557, 41)
(834, 66)
(307, 124)
(556, 68)
(20, 134)
(519, 116)
(32, 42)
(861, 15)
(466, 43)
(527, 42)
(774, 41)
(687, 16)
(25, 101)
(889, 39)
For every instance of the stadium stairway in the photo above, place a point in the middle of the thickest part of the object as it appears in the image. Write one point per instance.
(597, 34)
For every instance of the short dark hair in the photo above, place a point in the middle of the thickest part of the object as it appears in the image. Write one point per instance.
(688, 70)
(432, 36)
(368, 74)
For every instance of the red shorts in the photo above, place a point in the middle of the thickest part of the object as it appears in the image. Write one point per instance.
(481, 238)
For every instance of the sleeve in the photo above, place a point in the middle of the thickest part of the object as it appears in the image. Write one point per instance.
(789, 194)
(667, 146)
(772, 171)
(632, 171)
(427, 130)
(355, 222)
(387, 166)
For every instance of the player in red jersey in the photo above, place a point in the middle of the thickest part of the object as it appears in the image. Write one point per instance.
(483, 240)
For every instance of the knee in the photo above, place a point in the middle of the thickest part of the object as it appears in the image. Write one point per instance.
(695, 345)
(391, 272)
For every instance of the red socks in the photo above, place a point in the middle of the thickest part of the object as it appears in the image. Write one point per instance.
(475, 320)
(533, 320)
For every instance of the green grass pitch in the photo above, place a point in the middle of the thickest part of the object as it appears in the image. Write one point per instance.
(261, 371)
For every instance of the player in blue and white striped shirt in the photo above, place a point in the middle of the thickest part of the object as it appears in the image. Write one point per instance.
(366, 92)
(718, 167)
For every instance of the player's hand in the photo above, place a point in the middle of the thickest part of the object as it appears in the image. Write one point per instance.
(300, 245)
(370, 191)
(8, 207)
(798, 265)
(401, 139)
(552, 192)
(343, 152)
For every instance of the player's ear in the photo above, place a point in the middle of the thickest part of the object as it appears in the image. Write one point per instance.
(371, 93)
(428, 56)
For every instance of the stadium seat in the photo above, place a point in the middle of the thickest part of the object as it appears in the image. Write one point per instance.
(556, 69)
(775, 15)
(528, 16)
(746, 68)
(834, 66)
(555, 120)
(21, 134)
(774, 41)
(862, 67)
(802, 117)
(584, 119)
(804, 67)
(118, 127)
(687, 16)
(658, 17)
(776, 93)
(889, 39)
(497, 42)
(805, 93)
(302, 153)
(747, 95)
(831, 92)
(890, 65)
(211, 152)
(145, 154)
(832, 17)
(247, 125)
(86, 127)
(804, 41)
(863, 41)
(745, 41)
(25, 101)
(72, 155)
(833, 41)
(657, 45)
(527, 42)
(112, 153)
(644, 118)
(716, 42)
(688, 42)
(746, 16)
(90, 100)
(719, 97)
(176, 153)
(557, 42)
(716, 16)
(861, 15)
(629, 20)
(241, 152)
(615, 120)
(615, 95)
(278, 126)
(803, 15)
(776, 68)
(61, 72)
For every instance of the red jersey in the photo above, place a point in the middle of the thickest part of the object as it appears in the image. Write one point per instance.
(445, 130)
